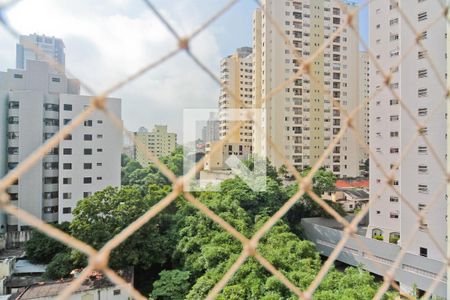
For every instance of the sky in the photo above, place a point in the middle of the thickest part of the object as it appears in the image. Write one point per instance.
(110, 39)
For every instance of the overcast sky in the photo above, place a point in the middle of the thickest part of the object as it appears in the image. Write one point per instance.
(109, 39)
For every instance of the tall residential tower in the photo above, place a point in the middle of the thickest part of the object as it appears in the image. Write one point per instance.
(301, 118)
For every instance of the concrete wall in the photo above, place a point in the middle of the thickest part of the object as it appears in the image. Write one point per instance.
(413, 269)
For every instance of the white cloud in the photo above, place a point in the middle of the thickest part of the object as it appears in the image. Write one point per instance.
(108, 40)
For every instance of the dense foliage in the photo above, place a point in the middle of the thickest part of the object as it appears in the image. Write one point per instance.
(184, 254)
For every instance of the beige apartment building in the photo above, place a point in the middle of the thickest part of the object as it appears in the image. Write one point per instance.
(236, 74)
(301, 119)
(159, 141)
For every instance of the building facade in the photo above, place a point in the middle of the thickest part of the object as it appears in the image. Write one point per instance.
(301, 118)
(236, 73)
(159, 141)
(50, 46)
(210, 132)
(364, 96)
(36, 102)
(419, 179)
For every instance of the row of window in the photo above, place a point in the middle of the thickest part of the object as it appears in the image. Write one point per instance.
(86, 151)
(86, 166)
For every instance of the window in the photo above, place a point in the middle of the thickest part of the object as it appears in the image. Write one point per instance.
(422, 169)
(67, 166)
(99, 150)
(422, 16)
(86, 194)
(88, 137)
(393, 199)
(423, 35)
(421, 206)
(100, 122)
(393, 101)
(117, 292)
(99, 136)
(67, 180)
(393, 150)
(422, 150)
(422, 73)
(13, 150)
(422, 112)
(99, 178)
(13, 120)
(394, 214)
(87, 166)
(99, 164)
(68, 107)
(87, 180)
(88, 123)
(67, 121)
(68, 137)
(422, 92)
(50, 180)
(67, 151)
(13, 104)
(18, 76)
(394, 118)
(67, 195)
(87, 151)
(421, 54)
(67, 210)
(423, 252)
(394, 133)
(422, 188)
(56, 79)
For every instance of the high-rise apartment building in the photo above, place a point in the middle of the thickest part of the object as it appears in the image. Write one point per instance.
(364, 95)
(301, 118)
(236, 72)
(419, 178)
(159, 141)
(210, 132)
(50, 46)
(35, 103)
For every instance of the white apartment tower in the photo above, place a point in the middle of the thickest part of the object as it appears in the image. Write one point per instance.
(236, 73)
(50, 46)
(419, 178)
(35, 103)
(301, 119)
(159, 141)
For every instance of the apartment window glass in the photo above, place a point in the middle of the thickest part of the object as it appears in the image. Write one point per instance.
(394, 133)
(87, 180)
(422, 188)
(88, 137)
(423, 252)
(422, 92)
(422, 73)
(87, 151)
(393, 199)
(56, 79)
(68, 137)
(67, 180)
(422, 16)
(67, 210)
(68, 107)
(67, 121)
(67, 166)
(67, 151)
(422, 112)
(88, 123)
(67, 195)
(422, 149)
(87, 166)
(423, 169)
(86, 194)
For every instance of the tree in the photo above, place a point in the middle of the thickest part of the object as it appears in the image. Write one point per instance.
(41, 248)
(100, 217)
(60, 266)
(171, 285)
(323, 181)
